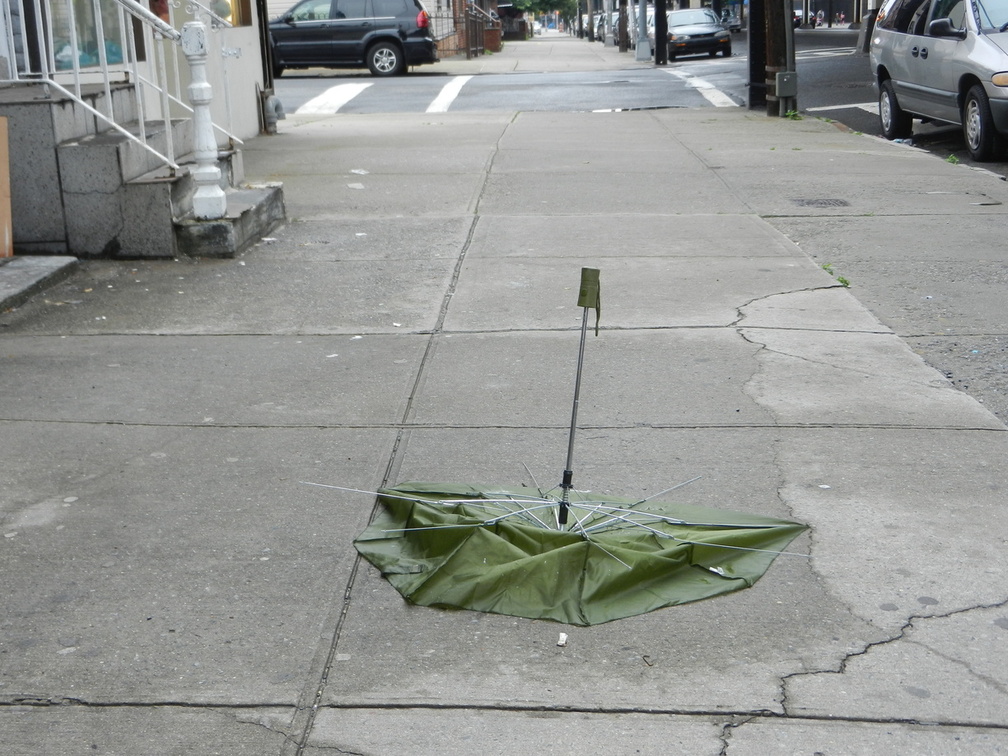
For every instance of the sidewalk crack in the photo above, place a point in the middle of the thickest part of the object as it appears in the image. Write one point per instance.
(903, 634)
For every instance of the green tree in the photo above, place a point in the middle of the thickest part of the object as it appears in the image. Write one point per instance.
(566, 8)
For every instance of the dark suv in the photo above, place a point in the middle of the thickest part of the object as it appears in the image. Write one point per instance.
(384, 35)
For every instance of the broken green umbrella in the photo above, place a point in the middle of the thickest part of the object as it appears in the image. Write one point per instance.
(500, 551)
(573, 558)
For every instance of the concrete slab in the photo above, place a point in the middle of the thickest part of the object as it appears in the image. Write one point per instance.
(321, 296)
(474, 731)
(876, 382)
(628, 235)
(68, 730)
(654, 291)
(918, 674)
(952, 285)
(142, 561)
(362, 239)
(229, 381)
(908, 522)
(535, 193)
(761, 736)
(631, 378)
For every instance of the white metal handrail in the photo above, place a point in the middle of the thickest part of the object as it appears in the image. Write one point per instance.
(44, 47)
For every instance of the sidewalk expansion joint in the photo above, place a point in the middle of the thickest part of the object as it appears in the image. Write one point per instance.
(734, 718)
(411, 426)
(394, 460)
(68, 701)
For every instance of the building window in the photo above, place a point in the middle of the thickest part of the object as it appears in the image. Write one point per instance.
(88, 26)
(235, 12)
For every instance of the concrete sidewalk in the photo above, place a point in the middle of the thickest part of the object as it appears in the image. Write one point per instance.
(174, 588)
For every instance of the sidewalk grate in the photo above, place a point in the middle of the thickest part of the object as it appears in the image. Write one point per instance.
(821, 202)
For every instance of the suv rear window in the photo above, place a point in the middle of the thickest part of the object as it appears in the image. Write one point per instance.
(386, 8)
(319, 10)
(351, 9)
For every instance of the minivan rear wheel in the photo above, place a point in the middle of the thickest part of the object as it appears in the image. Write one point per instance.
(894, 123)
(385, 59)
(982, 139)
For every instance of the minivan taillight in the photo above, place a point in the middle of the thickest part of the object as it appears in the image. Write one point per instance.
(422, 19)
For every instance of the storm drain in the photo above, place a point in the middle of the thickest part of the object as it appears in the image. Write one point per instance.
(821, 202)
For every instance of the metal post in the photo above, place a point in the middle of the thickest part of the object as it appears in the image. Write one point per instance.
(643, 50)
(568, 476)
(209, 201)
(588, 298)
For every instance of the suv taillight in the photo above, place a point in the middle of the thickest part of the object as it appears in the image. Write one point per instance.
(422, 19)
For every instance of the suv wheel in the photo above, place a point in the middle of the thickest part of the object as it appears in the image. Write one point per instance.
(981, 137)
(895, 124)
(385, 59)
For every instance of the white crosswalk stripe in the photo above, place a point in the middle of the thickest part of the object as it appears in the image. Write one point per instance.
(447, 95)
(825, 52)
(869, 107)
(332, 99)
(712, 94)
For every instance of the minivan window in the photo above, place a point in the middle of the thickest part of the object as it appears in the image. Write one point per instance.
(900, 15)
(918, 21)
(953, 10)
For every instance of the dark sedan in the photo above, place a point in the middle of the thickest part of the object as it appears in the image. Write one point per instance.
(696, 31)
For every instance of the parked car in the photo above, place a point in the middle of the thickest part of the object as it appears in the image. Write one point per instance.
(731, 21)
(600, 21)
(633, 24)
(946, 61)
(384, 35)
(695, 31)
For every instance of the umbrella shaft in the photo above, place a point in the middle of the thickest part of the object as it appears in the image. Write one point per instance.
(569, 470)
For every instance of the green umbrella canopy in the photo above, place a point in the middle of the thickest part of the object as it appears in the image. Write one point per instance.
(500, 550)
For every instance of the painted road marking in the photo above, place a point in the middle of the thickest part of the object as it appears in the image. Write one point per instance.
(712, 94)
(870, 107)
(332, 99)
(447, 95)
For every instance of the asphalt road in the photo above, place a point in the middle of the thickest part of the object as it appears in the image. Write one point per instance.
(833, 77)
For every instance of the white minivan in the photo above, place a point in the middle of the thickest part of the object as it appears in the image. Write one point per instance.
(946, 61)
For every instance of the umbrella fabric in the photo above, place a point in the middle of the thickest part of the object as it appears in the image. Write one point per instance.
(499, 550)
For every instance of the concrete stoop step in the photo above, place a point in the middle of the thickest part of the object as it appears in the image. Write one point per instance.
(252, 212)
(23, 277)
(122, 202)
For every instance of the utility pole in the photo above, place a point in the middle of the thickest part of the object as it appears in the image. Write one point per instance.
(624, 36)
(660, 33)
(776, 51)
(757, 54)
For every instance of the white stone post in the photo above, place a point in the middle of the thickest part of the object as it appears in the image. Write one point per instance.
(209, 202)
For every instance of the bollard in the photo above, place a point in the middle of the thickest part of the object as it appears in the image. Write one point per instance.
(209, 201)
